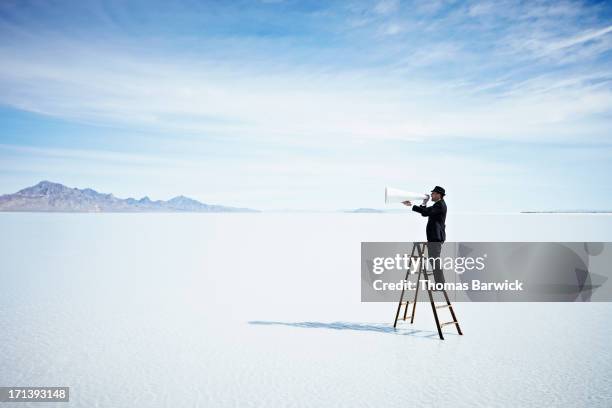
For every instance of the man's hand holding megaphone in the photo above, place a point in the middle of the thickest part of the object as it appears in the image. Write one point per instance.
(409, 204)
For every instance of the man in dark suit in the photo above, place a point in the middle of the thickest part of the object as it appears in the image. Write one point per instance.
(436, 227)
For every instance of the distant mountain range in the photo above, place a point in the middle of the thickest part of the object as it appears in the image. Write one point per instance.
(54, 197)
(365, 210)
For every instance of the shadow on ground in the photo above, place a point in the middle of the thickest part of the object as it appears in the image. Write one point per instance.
(367, 327)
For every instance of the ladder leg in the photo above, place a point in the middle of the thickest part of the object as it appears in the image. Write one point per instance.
(431, 299)
(399, 306)
(416, 292)
(450, 307)
(435, 313)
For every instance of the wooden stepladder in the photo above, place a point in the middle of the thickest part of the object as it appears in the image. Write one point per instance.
(418, 260)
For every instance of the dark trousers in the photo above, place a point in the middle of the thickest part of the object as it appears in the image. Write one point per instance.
(433, 251)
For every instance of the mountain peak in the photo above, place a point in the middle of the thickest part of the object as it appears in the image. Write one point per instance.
(44, 187)
(48, 184)
(181, 198)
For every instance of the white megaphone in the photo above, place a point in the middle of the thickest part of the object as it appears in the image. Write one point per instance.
(394, 195)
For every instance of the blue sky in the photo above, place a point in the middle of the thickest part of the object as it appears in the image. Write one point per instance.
(319, 105)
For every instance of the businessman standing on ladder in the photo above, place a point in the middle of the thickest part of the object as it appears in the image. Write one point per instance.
(436, 227)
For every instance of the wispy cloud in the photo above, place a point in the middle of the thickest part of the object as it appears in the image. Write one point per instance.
(227, 100)
(580, 38)
(387, 6)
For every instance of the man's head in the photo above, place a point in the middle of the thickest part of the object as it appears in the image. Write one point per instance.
(437, 193)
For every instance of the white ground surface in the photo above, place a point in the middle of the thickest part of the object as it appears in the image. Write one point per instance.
(238, 310)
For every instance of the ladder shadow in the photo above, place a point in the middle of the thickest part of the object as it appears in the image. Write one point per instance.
(367, 327)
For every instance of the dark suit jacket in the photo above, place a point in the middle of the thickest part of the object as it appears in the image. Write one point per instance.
(436, 227)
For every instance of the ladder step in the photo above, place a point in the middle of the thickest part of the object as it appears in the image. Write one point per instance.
(447, 323)
(443, 306)
(402, 318)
